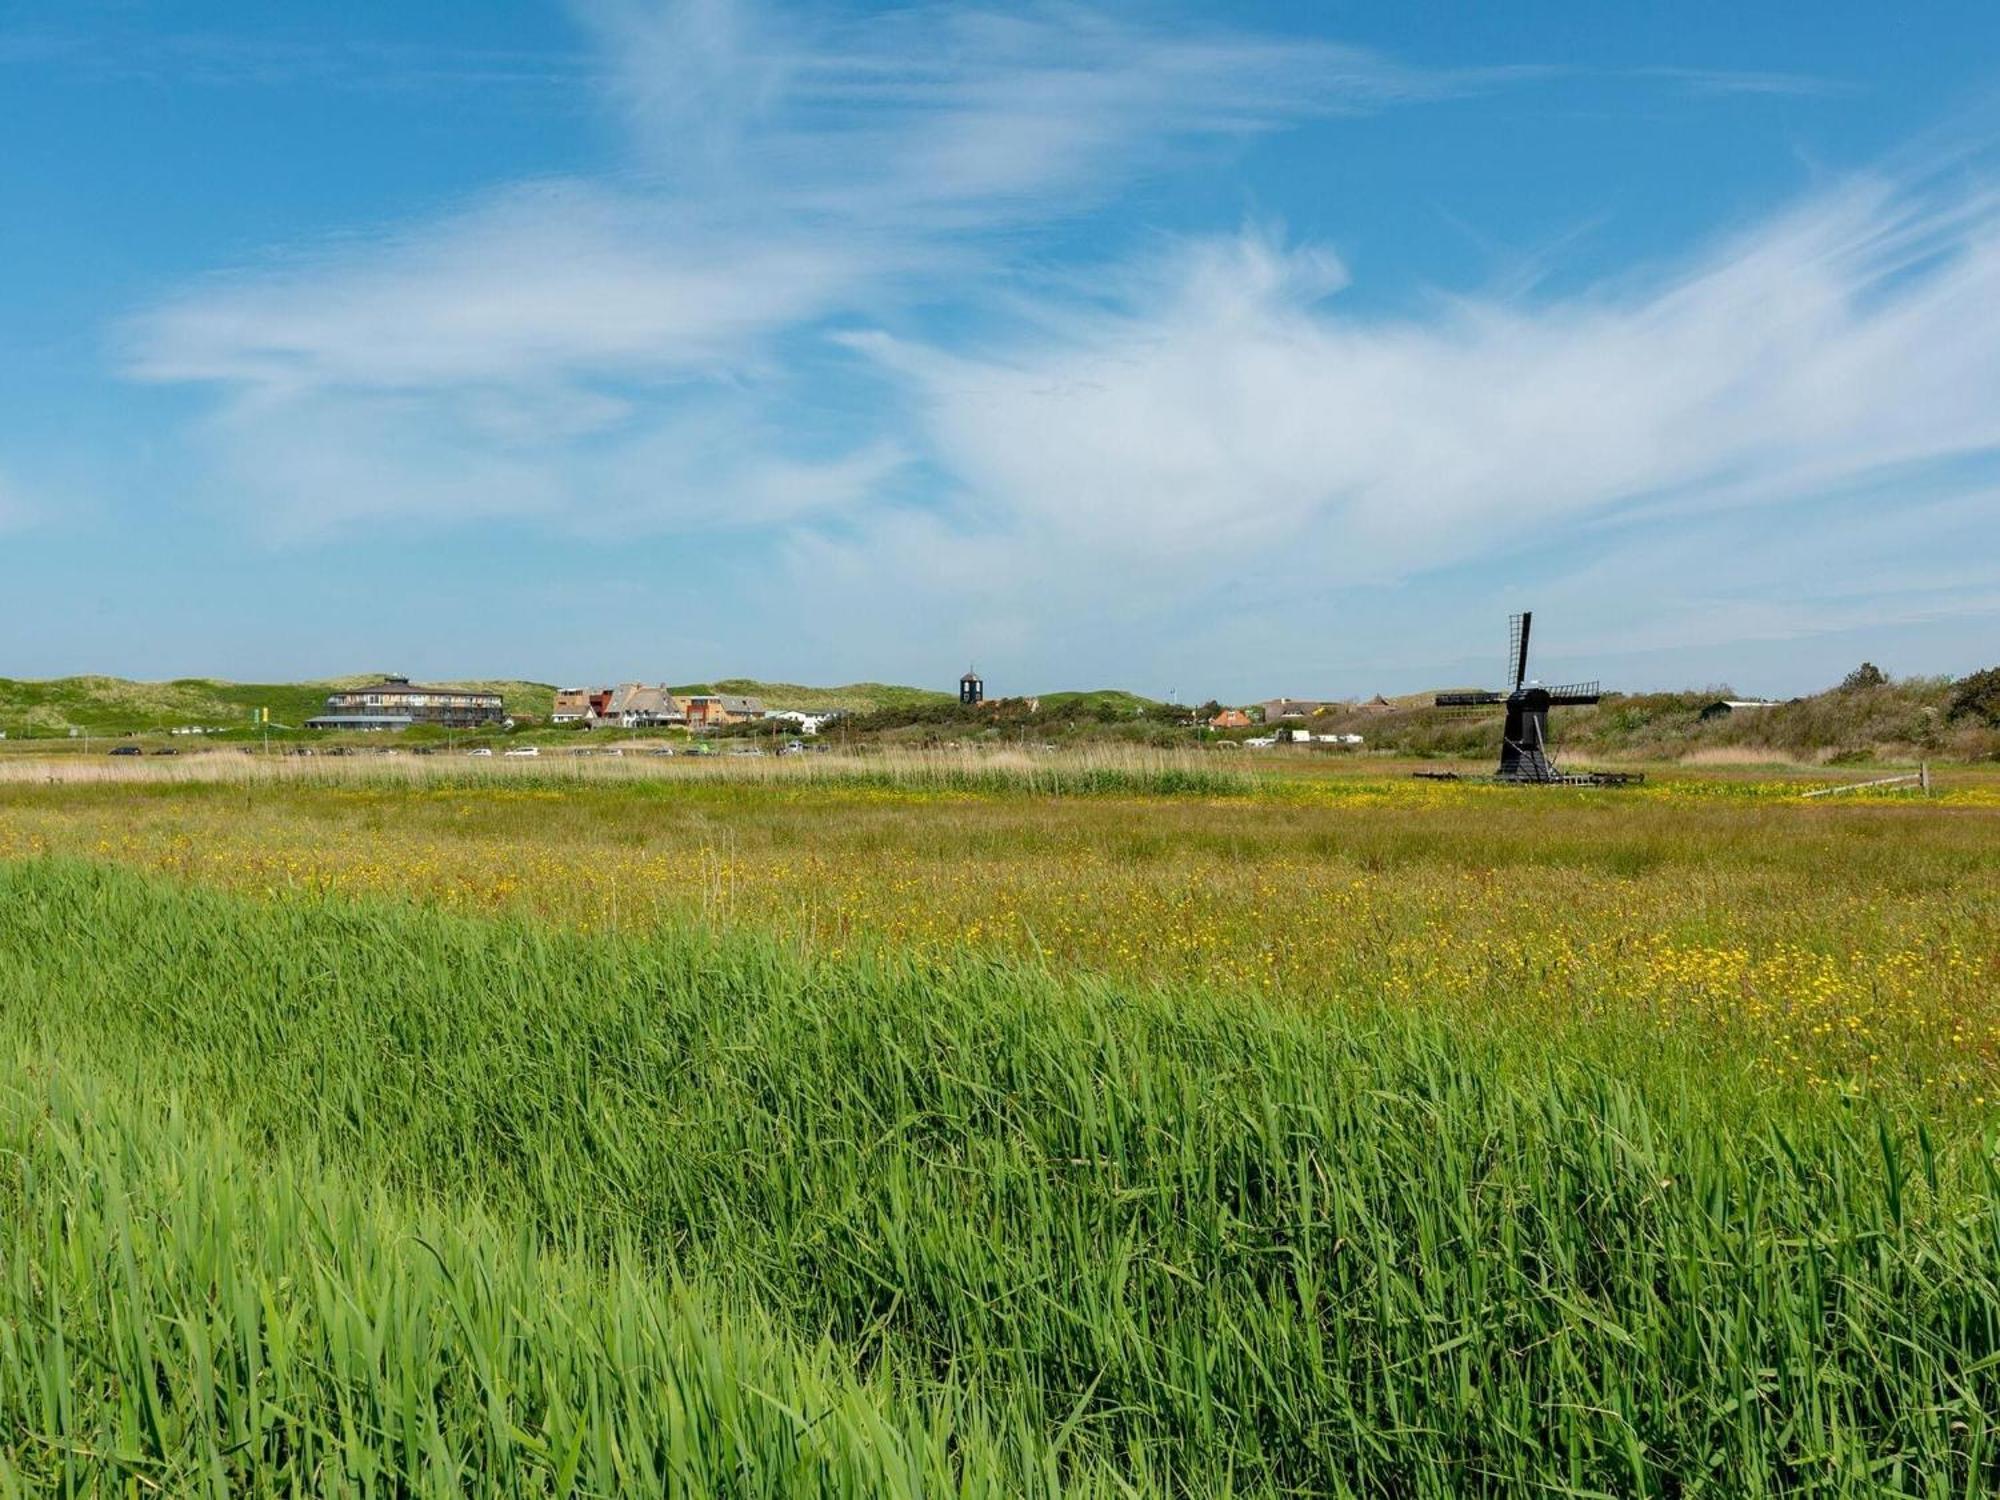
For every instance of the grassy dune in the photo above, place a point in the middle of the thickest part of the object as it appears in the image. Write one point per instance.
(452, 1206)
(114, 705)
(857, 697)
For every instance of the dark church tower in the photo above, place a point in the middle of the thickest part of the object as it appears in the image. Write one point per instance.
(971, 690)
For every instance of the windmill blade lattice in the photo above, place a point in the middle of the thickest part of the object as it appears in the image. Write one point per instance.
(1574, 695)
(1518, 627)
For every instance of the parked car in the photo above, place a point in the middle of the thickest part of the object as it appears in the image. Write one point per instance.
(524, 752)
(663, 750)
(481, 750)
(126, 750)
(166, 750)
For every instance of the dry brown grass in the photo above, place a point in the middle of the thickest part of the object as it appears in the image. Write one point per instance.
(1104, 767)
(1743, 755)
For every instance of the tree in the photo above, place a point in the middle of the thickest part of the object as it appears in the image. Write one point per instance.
(1978, 697)
(1867, 675)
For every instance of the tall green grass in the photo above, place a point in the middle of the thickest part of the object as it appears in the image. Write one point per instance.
(180, 1319)
(451, 1200)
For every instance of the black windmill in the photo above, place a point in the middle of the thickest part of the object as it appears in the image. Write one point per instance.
(1524, 742)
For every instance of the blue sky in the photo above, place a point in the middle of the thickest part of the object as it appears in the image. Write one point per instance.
(1216, 350)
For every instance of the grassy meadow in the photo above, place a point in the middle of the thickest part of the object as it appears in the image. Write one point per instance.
(974, 1126)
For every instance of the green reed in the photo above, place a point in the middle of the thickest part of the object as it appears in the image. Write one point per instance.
(308, 1196)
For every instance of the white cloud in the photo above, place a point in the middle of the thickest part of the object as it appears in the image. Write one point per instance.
(325, 463)
(546, 282)
(1224, 408)
(1749, 81)
(935, 115)
(102, 48)
(455, 368)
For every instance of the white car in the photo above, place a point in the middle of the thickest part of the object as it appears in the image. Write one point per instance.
(1262, 742)
(482, 750)
(524, 752)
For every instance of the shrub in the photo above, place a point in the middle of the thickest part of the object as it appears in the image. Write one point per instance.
(1978, 697)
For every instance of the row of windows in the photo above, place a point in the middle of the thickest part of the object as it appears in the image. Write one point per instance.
(415, 700)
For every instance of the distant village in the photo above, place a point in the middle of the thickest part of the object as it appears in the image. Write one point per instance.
(396, 703)
(633, 705)
(1866, 712)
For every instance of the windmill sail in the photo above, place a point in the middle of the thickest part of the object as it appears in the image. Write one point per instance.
(1518, 627)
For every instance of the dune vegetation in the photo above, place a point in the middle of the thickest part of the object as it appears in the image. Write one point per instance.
(1866, 719)
(105, 706)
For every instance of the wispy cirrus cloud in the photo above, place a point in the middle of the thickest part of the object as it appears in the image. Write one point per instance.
(781, 177)
(1749, 81)
(944, 116)
(226, 60)
(1223, 399)
(542, 283)
(333, 463)
(1772, 404)
(1227, 397)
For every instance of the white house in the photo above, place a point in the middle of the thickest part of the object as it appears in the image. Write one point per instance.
(799, 719)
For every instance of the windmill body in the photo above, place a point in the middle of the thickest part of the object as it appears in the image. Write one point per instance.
(1524, 753)
(1524, 738)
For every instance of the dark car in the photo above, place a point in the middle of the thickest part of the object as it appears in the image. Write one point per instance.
(126, 750)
